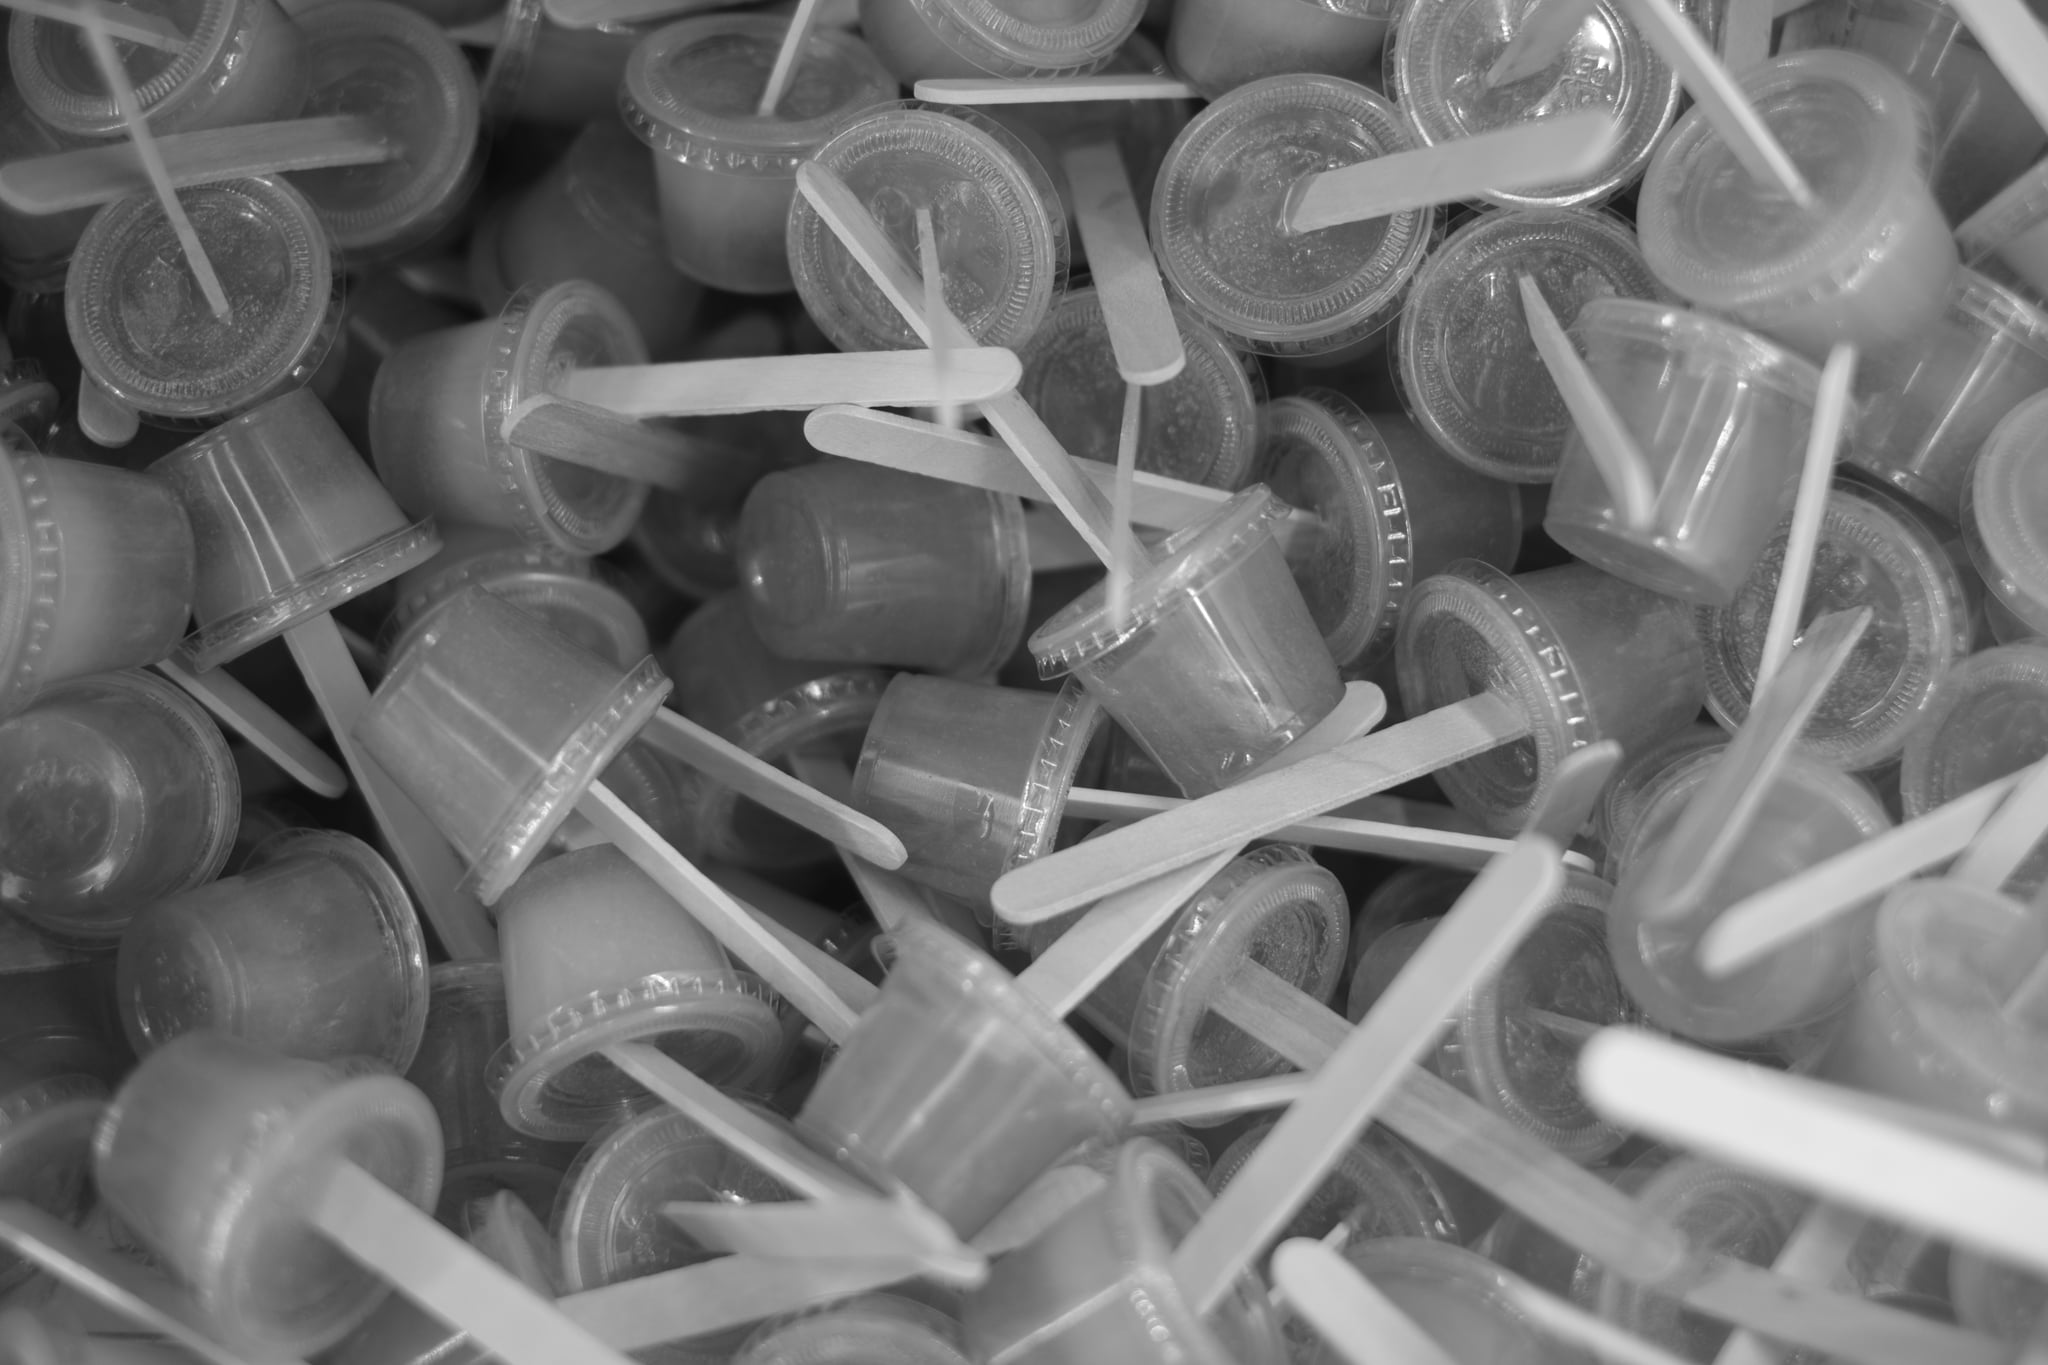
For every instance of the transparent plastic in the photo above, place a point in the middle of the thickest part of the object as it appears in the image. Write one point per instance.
(926, 39)
(1993, 1297)
(1988, 718)
(686, 537)
(2005, 514)
(53, 1020)
(867, 1330)
(46, 1128)
(2009, 235)
(1638, 778)
(1380, 1187)
(35, 248)
(1219, 45)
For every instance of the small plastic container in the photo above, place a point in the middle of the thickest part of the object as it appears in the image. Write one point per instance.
(726, 174)
(972, 778)
(921, 40)
(118, 791)
(1461, 1300)
(595, 954)
(1198, 426)
(2005, 520)
(146, 336)
(843, 561)
(1098, 1285)
(2009, 236)
(1874, 551)
(391, 65)
(959, 1085)
(1218, 665)
(1002, 234)
(441, 403)
(869, 1330)
(1390, 512)
(1381, 1187)
(686, 537)
(96, 570)
(1436, 64)
(1218, 45)
(1988, 718)
(1637, 780)
(1583, 655)
(1721, 418)
(494, 724)
(1992, 1297)
(35, 248)
(1217, 214)
(288, 521)
(1932, 402)
(46, 1127)
(1870, 265)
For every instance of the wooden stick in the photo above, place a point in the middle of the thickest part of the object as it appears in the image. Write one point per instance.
(1830, 410)
(1816, 1252)
(267, 732)
(1542, 34)
(702, 388)
(1616, 456)
(786, 58)
(890, 898)
(933, 276)
(90, 176)
(1054, 89)
(2010, 834)
(1126, 556)
(1574, 1325)
(839, 1229)
(1358, 1322)
(716, 1296)
(1085, 955)
(1053, 544)
(855, 991)
(2017, 45)
(128, 24)
(1142, 333)
(598, 438)
(1746, 33)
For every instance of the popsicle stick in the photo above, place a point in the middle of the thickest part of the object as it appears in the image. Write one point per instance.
(1545, 28)
(122, 21)
(1215, 1103)
(1719, 97)
(240, 710)
(798, 802)
(1351, 1315)
(742, 934)
(1746, 33)
(505, 1230)
(716, 1296)
(833, 1230)
(1546, 151)
(703, 388)
(123, 94)
(598, 438)
(1575, 1326)
(104, 418)
(1125, 556)
(890, 898)
(1816, 1252)
(1142, 332)
(591, 13)
(1830, 410)
(793, 40)
(444, 1275)
(423, 856)
(90, 176)
(1616, 455)
(1084, 957)
(1054, 89)
(2010, 834)
(853, 989)
(1721, 812)
(2017, 45)
(933, 276)
(1254, 807)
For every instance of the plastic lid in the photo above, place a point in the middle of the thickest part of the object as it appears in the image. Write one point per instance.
(505, 75)
(145, 333)
(46, 1133)
(31, 557)
(876, 1329)
(1002, 237)
(1033, 37)
(1378, 1188)
(1874, 551)
(1989, 717)
(1216, 217)
(2005, 513)
(1070, 727)
(1198, 426)
(60, 82)
(1436, 65)
(1465, 1303)
(27, 399)
(1857, 133)
(561, 589)
(2020, 207)
(691, 89)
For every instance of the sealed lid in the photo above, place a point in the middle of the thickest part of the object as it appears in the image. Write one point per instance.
(2020, 207)
(1033, 37)
(31, 555)
(1708, 345)
(1070, 728)
(2005, 512)
(60, 82)
(1989, 717)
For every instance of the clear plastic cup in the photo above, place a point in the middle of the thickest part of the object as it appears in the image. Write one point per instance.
(118, 791)
(927, 39)
(1390, 511)
(542, 73)
(207, 1153)
(1988, 718)
(1380, 1187)
(959, 1085)
(1198, 426)
(2005, 518)
(1218, 664)
(1871, 264)
(494, 724)
(1461, 1300)
(313, 950)
(96, 569)
(440, 405)
(863, 1331)
(1875, 550)
(1809, 813)
(243, 61)
(1638, 779)
(595, 954)
(726, 174)
(35, 248)
(686, 537)
(972, 778)
(843, 561)
(1992, 1297)
(1584, 657)
(146, 336)
(289, 524)
(1721, 417)
(1099, 1286)
(1217, 214)
(1002, 235)
(1436, 64)
(1933, 401)
(53, 1019)
(1218, 45)
(46, 1129)
(394, 67)
(2008, 237)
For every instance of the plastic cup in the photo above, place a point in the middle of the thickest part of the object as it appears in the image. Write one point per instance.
(393, 66)
(2009, 235)
(205, 1155)
(874, 1327)
(147, 338)
(1218, 664)
(686, 538)
(1218, 45)
(596, 954)
(1461, 1300)
(1584, 657)
(289, 524)
(842, 561)
(1621, 806)
(592, 217)
(1992, 1297)
(1415, 891)
(1874, 551)
(1381, 1187)
(243, 61)
(441, 402)
(1390, 511)
(2005, 520)
(35, 248)
(931, 39)
(118, 791)
(96, 569)
(1216, 217)
(958, 1085)
(1720, 416)
(46, 1128)
(1198, 426)
(1988, 718)
(726, 174)
(1099, 1286)
(1002, 237)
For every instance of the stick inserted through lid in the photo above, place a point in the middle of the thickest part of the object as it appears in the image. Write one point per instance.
(1142, 334)
(124, 22)
(1614, 450)
(1053, 89)
(1823, 438)
(786, 58)
(267, 732)
(87, 177)
(1348, 1311)
(703, 388)
(1545, 28)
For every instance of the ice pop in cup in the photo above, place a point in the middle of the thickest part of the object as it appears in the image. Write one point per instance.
(1219, 45)
(873, 1327)
(926, 39)
(2005, 521)
(2008, 237)
(1984, 723)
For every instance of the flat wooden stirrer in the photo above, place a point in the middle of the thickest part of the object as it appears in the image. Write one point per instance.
(2010, 834)
(598, 438)
(786, 57)
(890, 898)
(1545, 28)
(591, 13)
(847, 1229)
(1054, 89)
(2017, 45)
(124, 22)
(1348, 1311)
(1053, 544)
(267, 732)
(933, 276)
(855, 991)
(716, 1296)
(1816, 1252)
(1546, 151)
(1746, 33)
(1595, 1336)
(1142, 333)
(1830, 411)
(704, 388)
(1616, 455)
(1128, 556)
